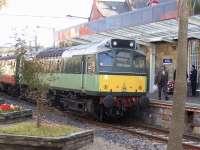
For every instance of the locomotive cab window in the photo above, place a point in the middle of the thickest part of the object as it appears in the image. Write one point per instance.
(123, 59)
(139, 62)
(106, 61)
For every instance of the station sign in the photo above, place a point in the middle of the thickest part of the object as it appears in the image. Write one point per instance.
(167, 61)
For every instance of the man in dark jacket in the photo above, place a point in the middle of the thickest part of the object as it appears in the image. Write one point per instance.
(193, 80)
(161, 81)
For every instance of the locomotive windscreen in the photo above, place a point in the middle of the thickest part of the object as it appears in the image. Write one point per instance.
(119, 43)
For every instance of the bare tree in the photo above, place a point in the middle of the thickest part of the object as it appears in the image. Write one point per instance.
(31, 82)
(178, 113)
(32, 75)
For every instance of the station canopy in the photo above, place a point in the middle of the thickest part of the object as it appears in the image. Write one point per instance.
(147, 25)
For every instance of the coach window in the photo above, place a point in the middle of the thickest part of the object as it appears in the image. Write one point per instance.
(53, 66)
(15, 64)
(47, 65)
(46, 69)
(65, 68)
(76, 64)
(61, 66)
(91, 64)
(68, 65)
(57, 65)
(55, 62)
(42, 62)
(44, 65)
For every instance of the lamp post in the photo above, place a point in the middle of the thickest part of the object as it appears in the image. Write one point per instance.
(53, 34)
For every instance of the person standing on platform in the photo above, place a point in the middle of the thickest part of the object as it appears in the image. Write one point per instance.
(161, 81)
(193, 80)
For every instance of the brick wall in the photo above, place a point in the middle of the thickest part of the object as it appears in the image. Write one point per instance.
(166, 51)
(163, 51)
(161, 116)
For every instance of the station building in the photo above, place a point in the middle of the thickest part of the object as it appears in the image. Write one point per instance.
(152, 23)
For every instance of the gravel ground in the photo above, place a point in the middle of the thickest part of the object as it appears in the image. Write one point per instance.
(105, 139)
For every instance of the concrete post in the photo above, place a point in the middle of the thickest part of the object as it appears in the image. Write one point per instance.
(152, 67)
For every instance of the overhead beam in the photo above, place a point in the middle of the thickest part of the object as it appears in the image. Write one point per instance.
(169, 40)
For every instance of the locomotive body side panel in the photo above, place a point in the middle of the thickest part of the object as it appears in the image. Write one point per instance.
(70, 82)
(64, 80)
(91, 83)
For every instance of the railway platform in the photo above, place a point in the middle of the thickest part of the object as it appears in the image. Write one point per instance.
(160, 113)
(190, 99)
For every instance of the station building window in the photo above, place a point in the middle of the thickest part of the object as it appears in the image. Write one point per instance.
(194, 57)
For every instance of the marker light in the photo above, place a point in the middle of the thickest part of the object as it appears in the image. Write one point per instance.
(131, 44)
(114, 43)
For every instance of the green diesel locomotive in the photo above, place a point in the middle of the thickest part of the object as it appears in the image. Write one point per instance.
(106, 79)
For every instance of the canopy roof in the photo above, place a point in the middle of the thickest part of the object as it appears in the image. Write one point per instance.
(146, 25)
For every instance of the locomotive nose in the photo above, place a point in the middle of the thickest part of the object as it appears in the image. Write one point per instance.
(122, 83)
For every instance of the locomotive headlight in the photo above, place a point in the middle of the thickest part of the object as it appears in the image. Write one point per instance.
(115, 43)
(131, 44)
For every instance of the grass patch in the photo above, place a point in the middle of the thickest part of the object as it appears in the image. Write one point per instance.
(30, 129)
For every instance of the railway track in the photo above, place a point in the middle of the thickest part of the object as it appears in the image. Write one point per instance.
(190, 142)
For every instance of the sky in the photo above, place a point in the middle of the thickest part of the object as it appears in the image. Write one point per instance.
(13, 19)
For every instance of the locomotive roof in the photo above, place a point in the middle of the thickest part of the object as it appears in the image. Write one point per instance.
(51, 52)
(8, 57)
(91, 48)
